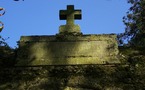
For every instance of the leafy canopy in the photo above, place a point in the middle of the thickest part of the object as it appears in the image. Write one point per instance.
(135, 23)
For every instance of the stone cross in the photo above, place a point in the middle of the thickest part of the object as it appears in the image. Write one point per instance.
(70, 14)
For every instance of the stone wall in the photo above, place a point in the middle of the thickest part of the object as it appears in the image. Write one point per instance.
(129, 75)
(67, 50)
(80, 77)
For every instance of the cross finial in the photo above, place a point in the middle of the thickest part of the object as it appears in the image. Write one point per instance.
(70, 14)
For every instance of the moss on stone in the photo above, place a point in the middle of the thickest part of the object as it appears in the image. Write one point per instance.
(67, 48)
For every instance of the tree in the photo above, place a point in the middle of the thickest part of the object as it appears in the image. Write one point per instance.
(135, 24)
(3, 42)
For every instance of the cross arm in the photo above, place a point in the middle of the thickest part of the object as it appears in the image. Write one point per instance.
(63, 14)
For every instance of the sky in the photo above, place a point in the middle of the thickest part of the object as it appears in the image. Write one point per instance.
(41, 17)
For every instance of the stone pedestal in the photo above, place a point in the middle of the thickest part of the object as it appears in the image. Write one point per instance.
(69, 28)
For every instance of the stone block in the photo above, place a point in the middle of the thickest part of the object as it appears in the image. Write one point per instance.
(76, 50)
(69, 28)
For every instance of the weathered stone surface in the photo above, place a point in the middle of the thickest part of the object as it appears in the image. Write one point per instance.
(69, 47)
(69, 28)
(76, 77)
(69, 15)
(74, 50)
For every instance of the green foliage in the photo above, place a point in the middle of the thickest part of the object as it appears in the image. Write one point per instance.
(3, 42)
(94, 77)
(7, 54)
(135, 23)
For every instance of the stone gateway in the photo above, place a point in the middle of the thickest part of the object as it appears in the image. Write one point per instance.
(68, 47)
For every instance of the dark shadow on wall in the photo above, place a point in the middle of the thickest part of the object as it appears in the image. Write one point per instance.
(57, 51)
(54, 52)
(82, 77)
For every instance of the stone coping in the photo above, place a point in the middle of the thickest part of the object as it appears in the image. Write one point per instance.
(69, 37)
